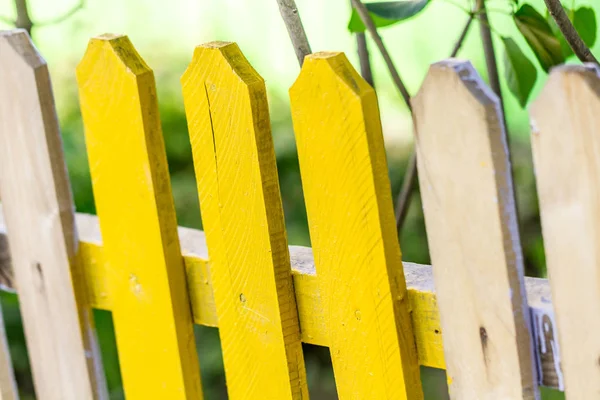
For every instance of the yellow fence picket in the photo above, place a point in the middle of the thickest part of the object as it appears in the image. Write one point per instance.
(228, 116)
(468, 201)
(352, 228)
(153, 322)
(566, 145)
(39, 215)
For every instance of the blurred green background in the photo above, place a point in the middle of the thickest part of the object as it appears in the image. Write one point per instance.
(165, 34)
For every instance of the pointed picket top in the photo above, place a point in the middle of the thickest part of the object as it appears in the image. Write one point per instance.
(468, 202)
(352, 227)
(565, 142)
(334, 64)
(22, 46)
(39, 214)
(132, 190)
(111, 45)
(228, 117)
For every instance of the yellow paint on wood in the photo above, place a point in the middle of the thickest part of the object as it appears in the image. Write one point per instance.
(357, 257)
(228, 117)
(424, 313)
(419, 280)
(146, 284)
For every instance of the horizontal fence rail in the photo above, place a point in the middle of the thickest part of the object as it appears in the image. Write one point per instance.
(425, 316)
(473, 313)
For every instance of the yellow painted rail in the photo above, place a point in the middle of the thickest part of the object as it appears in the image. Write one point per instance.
(424, 314)
(494, 330)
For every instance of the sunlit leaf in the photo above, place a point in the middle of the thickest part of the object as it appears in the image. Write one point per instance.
(387, 13)
(519, 71)
(540, 37)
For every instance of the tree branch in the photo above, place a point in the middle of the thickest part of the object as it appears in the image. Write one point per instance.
(363, 58)
(368, 22)
(65, 16)
(463, 36)
(293, 23)
(488, 50)
(569, 32)
(23, 19)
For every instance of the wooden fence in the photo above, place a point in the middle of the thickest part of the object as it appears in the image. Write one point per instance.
(495, 332)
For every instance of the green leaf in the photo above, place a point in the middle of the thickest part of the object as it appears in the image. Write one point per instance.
(584, 22)
(538, 34)
(387, 13)
(519, 71)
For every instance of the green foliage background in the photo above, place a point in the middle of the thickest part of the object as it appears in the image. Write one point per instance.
(165, 34)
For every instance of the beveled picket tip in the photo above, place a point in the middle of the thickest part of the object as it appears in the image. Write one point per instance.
(339, 66)
(111, 45)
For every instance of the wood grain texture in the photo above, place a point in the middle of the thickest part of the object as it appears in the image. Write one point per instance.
(8, 385)
(467, 193)
(419, 280)
(565, 120)
(230, 131)
(352, 228)
(39, 214)
(130, 179)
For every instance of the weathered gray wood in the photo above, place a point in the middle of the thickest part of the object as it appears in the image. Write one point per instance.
(39, 216)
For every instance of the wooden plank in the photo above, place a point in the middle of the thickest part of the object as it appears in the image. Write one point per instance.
(8, 385)
(39, 215)
(565, 123)
(348, 200)
(419, 280)
(468, 201)
(228, 115)
(153, 322)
